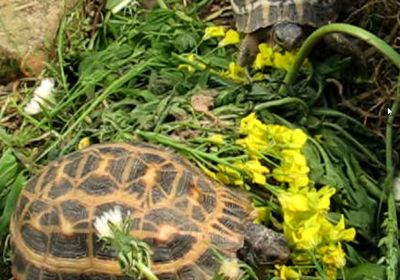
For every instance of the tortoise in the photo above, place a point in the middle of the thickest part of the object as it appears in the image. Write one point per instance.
(285, 22)
(177, 210)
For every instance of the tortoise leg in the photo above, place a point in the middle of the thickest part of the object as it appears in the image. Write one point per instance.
(346, 46)
(249, 47)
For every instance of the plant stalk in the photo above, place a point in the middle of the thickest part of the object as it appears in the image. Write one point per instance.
(348, 29)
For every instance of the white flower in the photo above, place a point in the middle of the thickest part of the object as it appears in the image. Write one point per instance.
(102, 223)
(230, 269)
(42, 97)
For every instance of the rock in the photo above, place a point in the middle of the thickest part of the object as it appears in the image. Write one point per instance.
(27, 32)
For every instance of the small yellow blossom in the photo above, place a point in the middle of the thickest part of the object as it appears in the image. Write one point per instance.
(255, 170)
(231, 38)
(228, 175)
(293, 169)
(217, 139)
(261, 214)
(269, 57)
(236, 73)
(338, 232)
(333, 255)
(304, 214)
(283, 61)
(84, 143)
(264, 57)
(213, 31)
(257, 77)
(306, 234)
(252, 125)
(286, 273)
(189, 68)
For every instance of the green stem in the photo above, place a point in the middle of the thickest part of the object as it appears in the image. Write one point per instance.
(280, 102)
(170, 142)
(389, 128)
(317, 35)
(162, 4)
(146, 271)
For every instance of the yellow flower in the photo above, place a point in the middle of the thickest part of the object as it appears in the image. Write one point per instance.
(258, 77)
(217, 139)
(254, 145)
(255, 170)
(231, 38)
(283, 61)
(261, 214)
(189, 68)
(304, 214)
(293, 169)
(236, 73)
(333, 255)
(286, 273)
(213, 31)
(252, 125)
(264, 57)
(269, 57)
(84, 143)
(228, 175)
(337, 233)
(306, 235)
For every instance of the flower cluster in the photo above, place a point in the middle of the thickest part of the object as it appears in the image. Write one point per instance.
(231, 37)
(270, 57)
(281, 142)
(305, 209)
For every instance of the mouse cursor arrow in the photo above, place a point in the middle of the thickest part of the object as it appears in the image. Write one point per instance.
(389, 111)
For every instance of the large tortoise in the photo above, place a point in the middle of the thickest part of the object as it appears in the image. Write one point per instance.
(174, 207)
(285, 22)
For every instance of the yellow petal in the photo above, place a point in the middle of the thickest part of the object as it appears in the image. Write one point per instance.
(286, 273)
(231, 37)
(283, 61)
(217, 139)
(213, 31)
(84, 143)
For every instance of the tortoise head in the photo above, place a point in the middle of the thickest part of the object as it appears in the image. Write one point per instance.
(263, 246)
(287, 35)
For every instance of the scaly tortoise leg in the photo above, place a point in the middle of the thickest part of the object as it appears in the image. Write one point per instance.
(248, 49)
(343, 45)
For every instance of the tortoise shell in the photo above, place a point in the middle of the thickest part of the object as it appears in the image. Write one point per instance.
(174, 207)
(252, 15)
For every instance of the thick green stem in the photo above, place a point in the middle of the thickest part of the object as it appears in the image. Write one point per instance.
(348, 29)
(146, 272)
(162, 4)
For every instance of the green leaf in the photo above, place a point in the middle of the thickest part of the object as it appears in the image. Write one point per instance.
(185, 41)
(365, 271)
(8, 169)
(15, 190)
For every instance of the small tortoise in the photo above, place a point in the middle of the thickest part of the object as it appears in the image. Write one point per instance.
(284, 22)
(174, 208)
